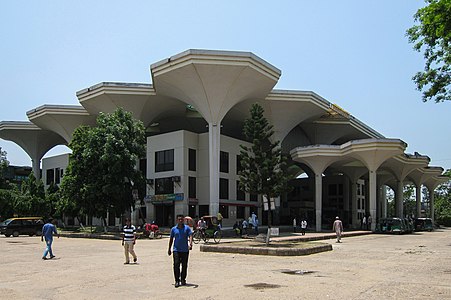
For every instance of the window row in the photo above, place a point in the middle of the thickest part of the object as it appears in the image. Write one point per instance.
(166, 186)
(164, 161)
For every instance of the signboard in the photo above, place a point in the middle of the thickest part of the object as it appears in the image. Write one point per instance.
(164, 198)
(274, 231)
(269, 205)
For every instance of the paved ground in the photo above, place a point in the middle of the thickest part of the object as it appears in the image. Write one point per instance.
(373, 266)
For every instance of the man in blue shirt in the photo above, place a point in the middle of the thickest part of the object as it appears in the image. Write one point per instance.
(47, 232)
(181, 233)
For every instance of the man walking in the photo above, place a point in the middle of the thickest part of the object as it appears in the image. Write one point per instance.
(303, 226)
(129, 241)
(180, 236)
(47, 232)
(338, 228)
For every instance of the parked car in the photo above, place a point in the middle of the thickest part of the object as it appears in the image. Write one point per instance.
(22, 226)
(423, 224)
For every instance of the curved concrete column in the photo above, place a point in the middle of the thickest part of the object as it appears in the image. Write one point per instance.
(418, 200)
(61, 119)
(32, 139)
(214, 132)
(317, 162)
(399, 199)
(214, 82)
(354, 174)
(432, 184)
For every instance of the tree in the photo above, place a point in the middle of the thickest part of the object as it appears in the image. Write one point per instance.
(442, 202)
(409, 199)
(31, 200)
(101, 172)
(433, 34)
(3, 167)
(263, 165)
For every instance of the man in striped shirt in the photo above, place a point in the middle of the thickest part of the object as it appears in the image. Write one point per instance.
(129, 240)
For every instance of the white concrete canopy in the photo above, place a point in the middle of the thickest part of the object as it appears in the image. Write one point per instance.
(61, 119)
(214, 81)
(401, 166)
(371, 152)
(32, 139)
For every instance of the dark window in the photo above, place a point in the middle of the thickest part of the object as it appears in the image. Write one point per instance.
(57, 175)
(340, 189)
(240, 195)
(164, 186)
(223, 188)
(143, 167)
(192, 210)
(254, 197)
(238, 164)
(224, 162)
(192, 187)
(204, 210)
(240, 212)
(224, 210)
(50, 176)
(191, 160)
(164, 160)
(332, 189)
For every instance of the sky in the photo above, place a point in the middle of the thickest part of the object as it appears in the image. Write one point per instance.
(353, 53)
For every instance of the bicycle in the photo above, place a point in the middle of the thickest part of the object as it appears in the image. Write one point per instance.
(205, 235)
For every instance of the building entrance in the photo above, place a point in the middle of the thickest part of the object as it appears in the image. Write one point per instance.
(164, 214)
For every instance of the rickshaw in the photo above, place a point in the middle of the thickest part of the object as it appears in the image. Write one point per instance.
(213, 230)
(390, 225)
(152, 231)
(423, 224)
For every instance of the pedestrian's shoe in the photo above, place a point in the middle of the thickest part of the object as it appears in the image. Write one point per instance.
(177, 284)
(44, 258)
(52, 256)
(183, 282)
(126, 263)
(135, 259)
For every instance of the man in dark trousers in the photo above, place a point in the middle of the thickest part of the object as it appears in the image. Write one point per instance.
(182, 239)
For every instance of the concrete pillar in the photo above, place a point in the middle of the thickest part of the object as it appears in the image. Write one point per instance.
(399, 203)
(383, 195)
(431, 205)
(36, 167)
(418, 200)
(318, 200)
(372, 195)
(353, 191)
(214, 134)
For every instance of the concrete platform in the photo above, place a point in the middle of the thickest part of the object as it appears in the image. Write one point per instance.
(286, 245)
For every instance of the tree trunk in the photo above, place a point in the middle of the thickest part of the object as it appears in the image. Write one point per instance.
(268, 234)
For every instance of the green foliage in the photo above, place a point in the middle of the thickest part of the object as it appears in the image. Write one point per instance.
(433, 34)
(410, 206)
(264, 168)
(7, 203)
(442, 202)
(3, 167)
(31, 200)
(101, 172)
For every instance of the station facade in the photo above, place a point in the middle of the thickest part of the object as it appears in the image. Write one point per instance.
(194, 112)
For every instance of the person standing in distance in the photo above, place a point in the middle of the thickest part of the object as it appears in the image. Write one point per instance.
(303, 226)
(182, 239)
(338, 228)
(129, 241)
(47, 232)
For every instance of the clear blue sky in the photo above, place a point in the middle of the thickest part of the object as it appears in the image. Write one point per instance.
(353, 53)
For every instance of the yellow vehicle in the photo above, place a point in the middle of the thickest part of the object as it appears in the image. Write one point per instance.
(22, 226)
